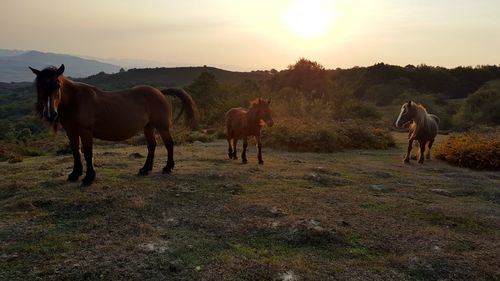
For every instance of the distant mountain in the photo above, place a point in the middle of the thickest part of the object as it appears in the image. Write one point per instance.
(14, 65)
(168, 77)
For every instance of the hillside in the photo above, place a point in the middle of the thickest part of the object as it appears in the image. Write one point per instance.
(169, 77)
(353, 215)
(14, 65)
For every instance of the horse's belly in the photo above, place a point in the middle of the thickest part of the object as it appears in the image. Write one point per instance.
(118, 132)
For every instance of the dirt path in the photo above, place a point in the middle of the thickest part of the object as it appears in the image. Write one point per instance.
(354, 215)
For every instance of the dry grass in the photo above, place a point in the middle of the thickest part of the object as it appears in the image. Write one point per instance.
(314, 216)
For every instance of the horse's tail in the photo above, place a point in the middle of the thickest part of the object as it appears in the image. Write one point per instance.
(188, 106)
(435, 118)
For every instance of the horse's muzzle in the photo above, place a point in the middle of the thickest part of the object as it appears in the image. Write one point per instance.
(52, 117)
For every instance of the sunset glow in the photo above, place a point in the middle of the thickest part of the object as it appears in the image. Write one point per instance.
(308, 19)
(246, 35)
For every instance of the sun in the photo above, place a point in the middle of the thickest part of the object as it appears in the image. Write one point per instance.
(308, 19)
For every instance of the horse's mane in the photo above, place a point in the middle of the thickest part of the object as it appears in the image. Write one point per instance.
(256, 102)
(39, 103)
(422, 119)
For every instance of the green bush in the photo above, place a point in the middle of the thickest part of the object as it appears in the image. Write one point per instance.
(482, 107)
(477, 149)
(297, 135)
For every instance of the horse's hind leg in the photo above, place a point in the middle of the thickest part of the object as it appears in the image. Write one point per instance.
(244, 152)
(87, 143)
(407, 156)
(421, 154)
(428, 154)
(150, 139)
(235, 143)
(229, 149)
(169, 144)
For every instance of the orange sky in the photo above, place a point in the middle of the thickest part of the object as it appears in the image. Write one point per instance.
(259, 34)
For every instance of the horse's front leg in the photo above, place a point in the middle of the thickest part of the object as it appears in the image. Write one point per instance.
(407, 156)
(74, 142)
(244, 152)
(259, 148)
(422, 151)
(87, 143)
(429, 146)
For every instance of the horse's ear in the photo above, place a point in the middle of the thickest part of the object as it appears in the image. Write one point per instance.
(409, 102)
(60, 70)
(35, 71)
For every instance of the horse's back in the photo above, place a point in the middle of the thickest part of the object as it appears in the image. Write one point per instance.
(435, 118)
(129, 111)
(234, 121)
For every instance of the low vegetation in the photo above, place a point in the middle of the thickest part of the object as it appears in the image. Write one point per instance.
(297, 135)
(477, 149)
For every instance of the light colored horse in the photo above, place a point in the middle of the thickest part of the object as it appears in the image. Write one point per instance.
(423, 127)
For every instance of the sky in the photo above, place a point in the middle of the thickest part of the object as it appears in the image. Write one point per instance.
(259, 34)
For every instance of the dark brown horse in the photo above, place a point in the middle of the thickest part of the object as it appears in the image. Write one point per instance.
(86, 112)
(242, 123)
(423, 127)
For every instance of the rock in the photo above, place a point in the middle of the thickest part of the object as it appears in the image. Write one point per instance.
(441, 191)
(380, 174)
(288, 276)
(323, 170)
(172, 222)
(159, 246)
(327, 180)
(135, 155)
(175, 266)
(197, 268)
(310, 231)
(377, 187)
(277, 212)
(109, 153)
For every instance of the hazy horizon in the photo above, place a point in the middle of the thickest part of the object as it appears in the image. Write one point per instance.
(259, 35)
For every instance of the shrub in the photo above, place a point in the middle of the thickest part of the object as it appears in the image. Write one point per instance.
(478, 149)
(297, 135)
(482, 107)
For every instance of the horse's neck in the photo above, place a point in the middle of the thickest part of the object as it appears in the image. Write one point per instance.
(251, 119)
(421, 121)
(68, 90)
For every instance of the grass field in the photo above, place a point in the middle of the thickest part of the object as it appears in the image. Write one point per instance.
(353, 215)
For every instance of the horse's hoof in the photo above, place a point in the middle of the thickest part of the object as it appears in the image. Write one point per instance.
(87, 182)
(73, 177)
(244, 161)
(143, 172)
(406, 161)
(261, 162)
(167, 170)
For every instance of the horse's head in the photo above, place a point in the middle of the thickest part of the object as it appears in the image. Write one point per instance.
(48, 85)
(263, 112)
(408, 112)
